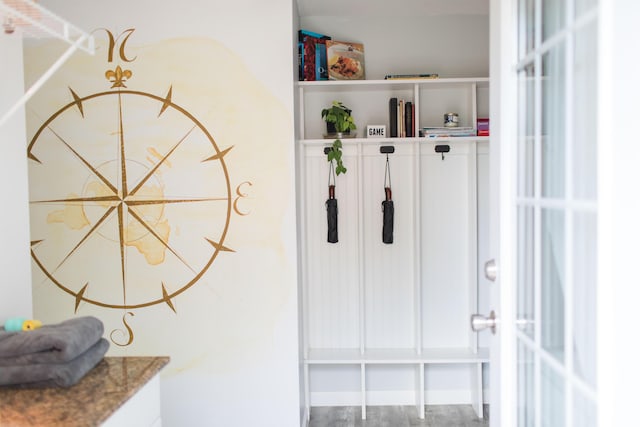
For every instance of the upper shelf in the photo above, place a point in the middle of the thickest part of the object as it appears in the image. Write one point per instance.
(395, 82)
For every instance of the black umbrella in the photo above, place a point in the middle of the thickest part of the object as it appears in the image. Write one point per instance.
(387, 207)
(332, 208)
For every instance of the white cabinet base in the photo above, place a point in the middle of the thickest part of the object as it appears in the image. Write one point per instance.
(143, 409)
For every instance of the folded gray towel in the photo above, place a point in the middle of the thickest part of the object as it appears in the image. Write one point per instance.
(54, 374)
(57, 343)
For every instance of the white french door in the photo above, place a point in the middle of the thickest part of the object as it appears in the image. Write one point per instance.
(555, 213)
(544, 365)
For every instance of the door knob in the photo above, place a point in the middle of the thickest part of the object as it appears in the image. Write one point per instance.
(480, 322)
(491, 270)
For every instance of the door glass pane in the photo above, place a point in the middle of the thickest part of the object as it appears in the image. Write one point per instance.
(552, 405)
(584, 296)
(553, 17)
(553, 122)
(585, 70)
(526, 404)
(552, 282)
(526, 27)
(526, 270)
(584, 411)
(526, 141)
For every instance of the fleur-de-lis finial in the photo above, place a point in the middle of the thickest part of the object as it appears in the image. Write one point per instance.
(118, 76)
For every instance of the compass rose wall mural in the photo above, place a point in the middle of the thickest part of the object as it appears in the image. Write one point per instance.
(150, 174)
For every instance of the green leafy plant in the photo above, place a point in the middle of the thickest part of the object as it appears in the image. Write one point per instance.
(340, 117)
(335, 153)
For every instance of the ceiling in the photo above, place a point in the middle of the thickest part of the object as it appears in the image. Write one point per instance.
(392, 7)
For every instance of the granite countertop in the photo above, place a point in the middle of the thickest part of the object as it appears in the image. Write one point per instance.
(89, 403)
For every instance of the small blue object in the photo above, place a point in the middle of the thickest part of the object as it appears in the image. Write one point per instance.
(14, 324)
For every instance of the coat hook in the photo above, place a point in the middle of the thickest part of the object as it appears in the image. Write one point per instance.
(442, 149)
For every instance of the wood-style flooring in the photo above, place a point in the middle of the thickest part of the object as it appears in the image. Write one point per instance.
(398, 416)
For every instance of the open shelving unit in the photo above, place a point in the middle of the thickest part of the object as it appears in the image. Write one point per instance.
(366, 304)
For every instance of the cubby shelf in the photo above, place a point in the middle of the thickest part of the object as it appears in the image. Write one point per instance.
(392, 141)
(396, 82)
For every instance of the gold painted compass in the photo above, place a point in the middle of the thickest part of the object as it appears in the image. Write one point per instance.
(133, 202)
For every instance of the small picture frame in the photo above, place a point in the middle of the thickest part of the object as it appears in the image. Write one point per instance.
(376, 131)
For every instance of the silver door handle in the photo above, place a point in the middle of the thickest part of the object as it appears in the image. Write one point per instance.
(480, 322)
(491, 270)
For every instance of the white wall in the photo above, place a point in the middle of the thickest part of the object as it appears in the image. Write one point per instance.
(15, 263)
(452, 46)
(233, 337)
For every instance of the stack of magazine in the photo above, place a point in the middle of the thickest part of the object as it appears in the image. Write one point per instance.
(435, 132)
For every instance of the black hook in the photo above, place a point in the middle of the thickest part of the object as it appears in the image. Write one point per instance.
(387, 149)
(442, 149)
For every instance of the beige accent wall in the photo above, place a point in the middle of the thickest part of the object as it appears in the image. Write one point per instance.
(231, 327)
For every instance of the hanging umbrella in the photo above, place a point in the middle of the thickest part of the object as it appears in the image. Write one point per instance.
(387, 207)
(332, 208)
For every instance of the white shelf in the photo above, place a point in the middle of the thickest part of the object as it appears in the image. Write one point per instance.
(378, 141)
(396, 356)
(398, 82)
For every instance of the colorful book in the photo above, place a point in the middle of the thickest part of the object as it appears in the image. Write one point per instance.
(322, 73)
(308, 44)
(345, 60)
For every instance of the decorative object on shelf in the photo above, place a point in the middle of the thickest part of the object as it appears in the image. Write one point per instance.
(451, 120)
(345, 60)
(376, 131)
(339, 120)
(332, 207)
(387, 204)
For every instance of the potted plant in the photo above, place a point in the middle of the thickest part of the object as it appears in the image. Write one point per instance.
(340, 123)
(339, 120)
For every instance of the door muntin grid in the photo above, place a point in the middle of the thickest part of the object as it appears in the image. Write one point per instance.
(556, 212)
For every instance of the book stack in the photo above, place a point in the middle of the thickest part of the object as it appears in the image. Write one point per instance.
(411, 76)
(436, 132)
(312, 56)
(401, 118)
